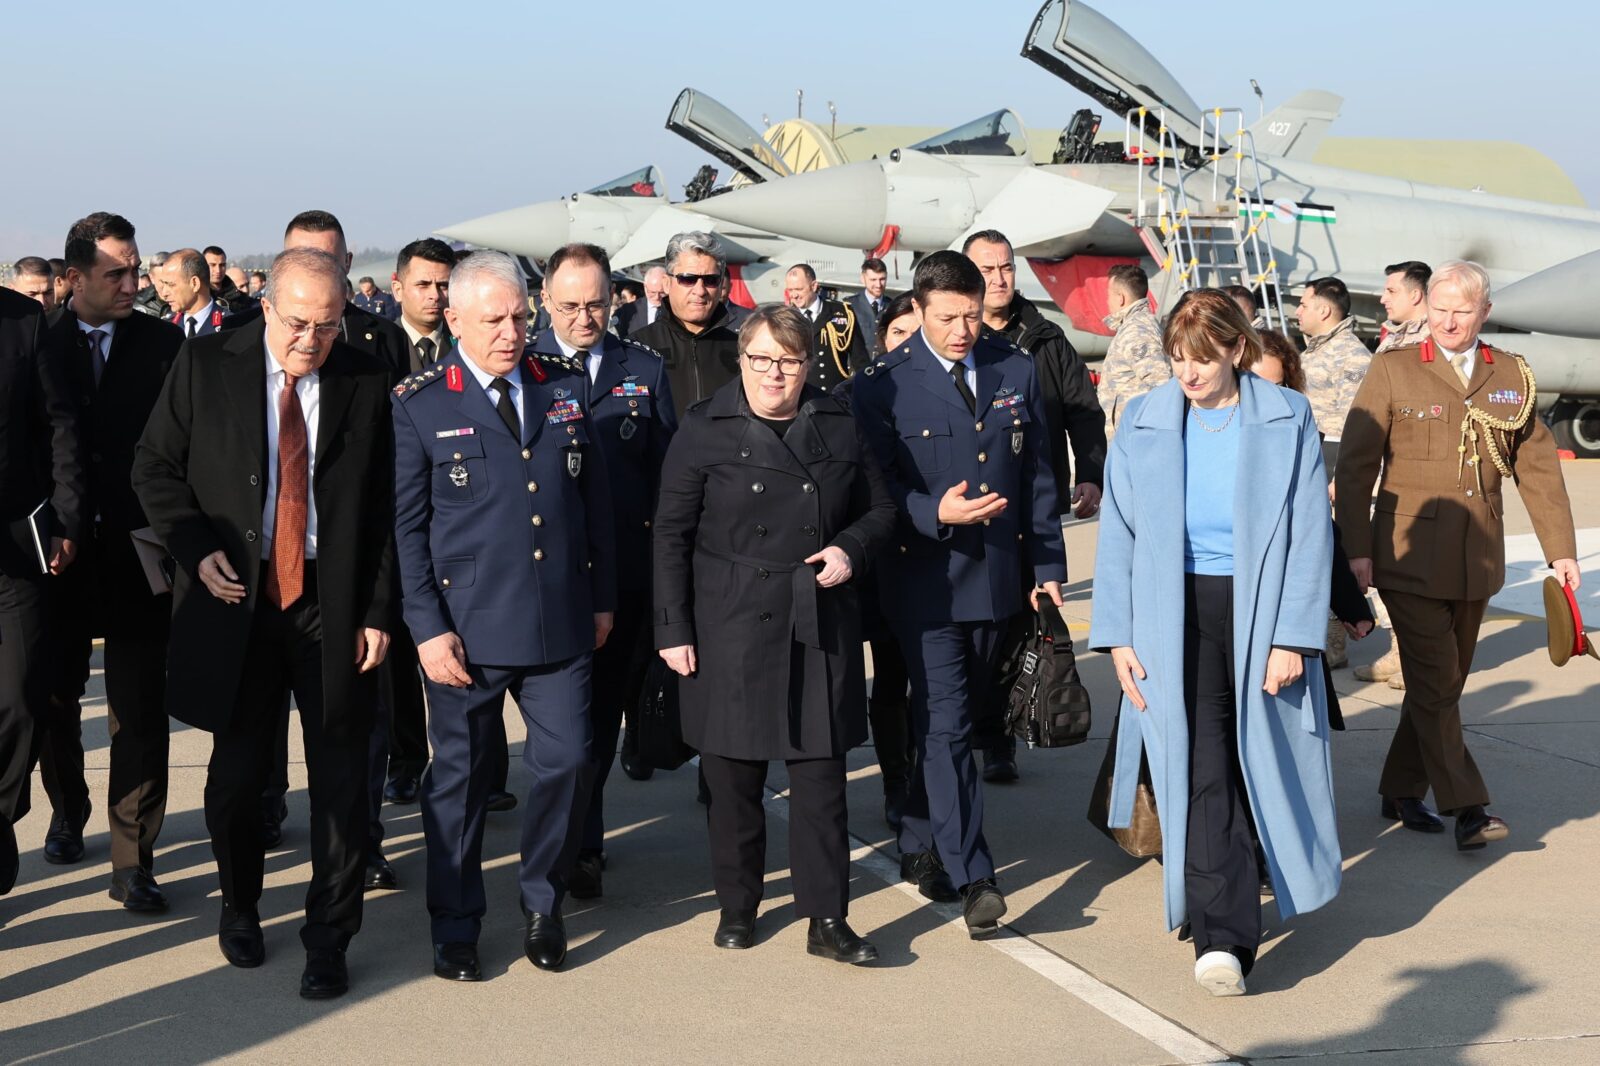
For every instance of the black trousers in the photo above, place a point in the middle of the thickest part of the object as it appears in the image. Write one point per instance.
(1222, 883)
(24, 687)
(619, 669)
(408, 711)
(285, 654)
(889, 712)
(135, 656)
(819, 850)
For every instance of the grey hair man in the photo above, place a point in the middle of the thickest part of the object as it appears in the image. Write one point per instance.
(696, 333)
(31, 277)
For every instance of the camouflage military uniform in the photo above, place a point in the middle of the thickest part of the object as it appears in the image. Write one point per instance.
(1135, 363)
(1402, 335)
(1335, 365)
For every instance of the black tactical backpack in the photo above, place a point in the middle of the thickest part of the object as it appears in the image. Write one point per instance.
(1048, 705)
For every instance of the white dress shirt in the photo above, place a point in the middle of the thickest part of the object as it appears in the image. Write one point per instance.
(109, 329)
(440, 339)
(813, 312)
(484, 378)
(199, 318)
(651, 311)
(967, 370)
(591, 357)
(309, 390)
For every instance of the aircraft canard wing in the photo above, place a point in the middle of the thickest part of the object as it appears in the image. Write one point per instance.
(1038, 206)
(1295, 129)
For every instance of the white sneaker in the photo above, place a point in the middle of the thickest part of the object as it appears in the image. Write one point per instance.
(1219, 973)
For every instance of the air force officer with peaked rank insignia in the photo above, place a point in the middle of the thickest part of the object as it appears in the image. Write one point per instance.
(504, 532)
(956, 421)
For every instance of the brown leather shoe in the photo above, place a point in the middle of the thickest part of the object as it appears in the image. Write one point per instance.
(1476, 827)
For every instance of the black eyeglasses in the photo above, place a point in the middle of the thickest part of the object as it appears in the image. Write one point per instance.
(710, 281)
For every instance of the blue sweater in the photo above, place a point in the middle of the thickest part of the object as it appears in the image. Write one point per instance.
(1210, 466)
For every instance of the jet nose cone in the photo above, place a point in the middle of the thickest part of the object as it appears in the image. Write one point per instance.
(842, 206)
(536, 230)
(1545, 303)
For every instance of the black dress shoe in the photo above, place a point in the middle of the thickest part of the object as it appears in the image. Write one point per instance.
(239, 936)
(500, 800)
(456, 961)
(10, 861)
(982, 906)
(923, 869)
(63, 844)
(1476, 827)
(1000, 766)
(632, 765)
(325, 975)
(273, 813)
(379, 873)
(584, 882)
(545, 942)
(832, 938)
(402, 789)
(135, 888)
(735, 929)
(1412, 813)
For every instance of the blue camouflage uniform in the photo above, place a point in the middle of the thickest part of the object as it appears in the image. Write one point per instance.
(948, 591)
(508, 544)
(632, 420)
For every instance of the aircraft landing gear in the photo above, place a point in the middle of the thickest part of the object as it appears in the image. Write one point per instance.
(1576, 425)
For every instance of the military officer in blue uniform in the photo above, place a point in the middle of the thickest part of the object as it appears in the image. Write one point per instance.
(504, 533)
(631, 419)
(957, 423)
(374, 301)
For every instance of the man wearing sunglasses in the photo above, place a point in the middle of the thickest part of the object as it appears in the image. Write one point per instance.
(696, 333)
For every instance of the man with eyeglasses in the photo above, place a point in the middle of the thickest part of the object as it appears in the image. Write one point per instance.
(838, 340)
(631, 418)
(116, 361)
(696, 333)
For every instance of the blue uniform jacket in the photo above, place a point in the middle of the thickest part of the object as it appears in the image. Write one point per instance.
(506, 543)
(632, 419)
(926, 441)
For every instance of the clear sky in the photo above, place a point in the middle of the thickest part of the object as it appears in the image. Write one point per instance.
(214, 124)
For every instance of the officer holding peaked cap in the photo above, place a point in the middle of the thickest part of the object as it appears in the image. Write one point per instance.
(1561, 613)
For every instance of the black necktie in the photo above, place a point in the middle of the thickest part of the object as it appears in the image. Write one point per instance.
(877, 308)
(958, 371)
(97, 352)
(807, 313)
(190, 320)
(424, 349)
(508, 413)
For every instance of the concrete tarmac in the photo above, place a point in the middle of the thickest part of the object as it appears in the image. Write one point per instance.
(1428, 956)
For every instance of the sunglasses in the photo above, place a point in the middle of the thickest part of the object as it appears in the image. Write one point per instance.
(710, 281)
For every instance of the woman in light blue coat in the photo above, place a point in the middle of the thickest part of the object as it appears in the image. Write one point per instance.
(1211, 591)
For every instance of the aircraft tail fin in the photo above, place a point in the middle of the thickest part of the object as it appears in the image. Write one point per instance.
(1295, 129)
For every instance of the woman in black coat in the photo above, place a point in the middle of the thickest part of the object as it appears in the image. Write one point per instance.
(770, 506)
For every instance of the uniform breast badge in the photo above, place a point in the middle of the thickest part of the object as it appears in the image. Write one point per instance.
(459, 476)
(574, 462)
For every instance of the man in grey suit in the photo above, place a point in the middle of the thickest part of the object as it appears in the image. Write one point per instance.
(869, 303)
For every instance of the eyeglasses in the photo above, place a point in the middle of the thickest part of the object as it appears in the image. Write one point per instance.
(788, 365)
(710, 281)
(591, 310)
(297, 328)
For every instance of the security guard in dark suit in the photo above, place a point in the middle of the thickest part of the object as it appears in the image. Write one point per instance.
(631, 419)
(839, 339)
(504, 533)
(957, 423)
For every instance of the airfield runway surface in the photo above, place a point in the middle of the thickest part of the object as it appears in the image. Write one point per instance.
(1428, 956)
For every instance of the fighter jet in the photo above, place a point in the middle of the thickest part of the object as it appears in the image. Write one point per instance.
(1203, 197)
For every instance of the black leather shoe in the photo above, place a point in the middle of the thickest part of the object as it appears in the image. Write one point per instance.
(545, 942)
(325, 976)
(1412, 813)
(735, 929)
(1000, 766)
(135, 888)
(10, 861)
(456, 961)
(380, 875)
(982, 906)
(1476, 827)
(63, 844)
(273, 812)
(631, 763)
(832, 938)
(239, 936)
(500, 801)
(585, 880)
(923, 869)
(402, 789)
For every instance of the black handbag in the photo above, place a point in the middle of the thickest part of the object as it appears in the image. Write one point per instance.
(657, 727)
(1048, 706)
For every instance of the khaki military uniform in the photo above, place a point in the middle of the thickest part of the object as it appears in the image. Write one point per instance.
(1402, 335)
(1135, 362)
(1335, 364)
(1437, 537)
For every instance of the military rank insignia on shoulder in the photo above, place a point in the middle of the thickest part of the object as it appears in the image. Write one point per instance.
(419, 379)
(627, 342)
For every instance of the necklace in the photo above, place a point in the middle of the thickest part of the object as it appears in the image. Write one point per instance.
(1233, 409)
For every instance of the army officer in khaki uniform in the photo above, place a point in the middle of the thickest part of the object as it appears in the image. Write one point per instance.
(1446, 420)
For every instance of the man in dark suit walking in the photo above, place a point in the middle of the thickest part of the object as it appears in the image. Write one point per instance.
(41, 495)
(116, 361)
(280, 524)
